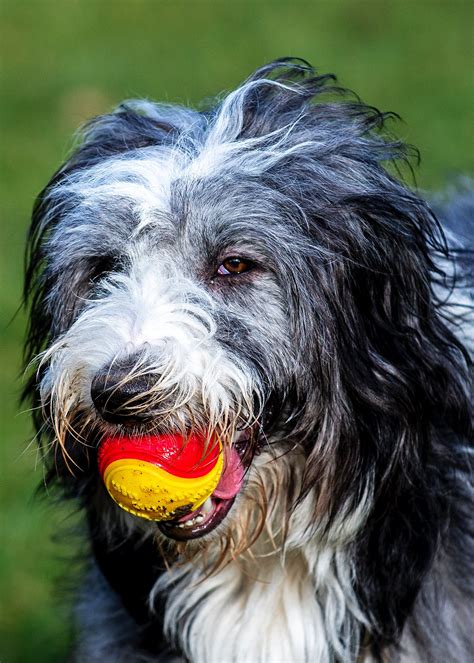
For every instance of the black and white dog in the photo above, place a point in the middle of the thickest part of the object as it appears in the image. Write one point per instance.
(257, 268)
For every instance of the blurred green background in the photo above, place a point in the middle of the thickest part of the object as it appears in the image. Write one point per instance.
(64, 61)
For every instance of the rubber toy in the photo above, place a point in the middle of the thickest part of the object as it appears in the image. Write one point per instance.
(160, 477)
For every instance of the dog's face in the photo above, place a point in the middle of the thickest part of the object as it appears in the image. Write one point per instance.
(180, 314)
(250, 272)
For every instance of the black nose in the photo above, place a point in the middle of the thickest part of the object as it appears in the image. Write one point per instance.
(120, 396)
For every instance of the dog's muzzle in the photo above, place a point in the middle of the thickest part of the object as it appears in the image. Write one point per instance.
(187, 482)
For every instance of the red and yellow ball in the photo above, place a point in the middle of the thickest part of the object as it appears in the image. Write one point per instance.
(160, 477)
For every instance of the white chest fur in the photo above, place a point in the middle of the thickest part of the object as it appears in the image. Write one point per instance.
(275, 609)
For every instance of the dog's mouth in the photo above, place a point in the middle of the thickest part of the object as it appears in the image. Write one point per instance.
(186, 484)
(209, 515)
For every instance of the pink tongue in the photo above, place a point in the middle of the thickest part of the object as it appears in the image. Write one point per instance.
(229, 484)
(232, 477)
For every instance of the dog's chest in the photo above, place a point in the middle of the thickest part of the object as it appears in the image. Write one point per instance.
(261, 610)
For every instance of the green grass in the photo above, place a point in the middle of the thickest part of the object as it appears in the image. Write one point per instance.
(65, 61)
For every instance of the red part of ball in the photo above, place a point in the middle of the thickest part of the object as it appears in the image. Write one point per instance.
(190, 457)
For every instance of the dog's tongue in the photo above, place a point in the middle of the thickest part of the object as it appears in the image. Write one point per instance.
(230, 482)
(231, 478)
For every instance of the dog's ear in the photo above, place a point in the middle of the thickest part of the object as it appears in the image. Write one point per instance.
(395, 392)
(382, 384)
(388, 352)
(134, 125)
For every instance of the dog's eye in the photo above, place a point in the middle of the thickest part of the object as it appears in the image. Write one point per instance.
(235, 265)
(103, 266)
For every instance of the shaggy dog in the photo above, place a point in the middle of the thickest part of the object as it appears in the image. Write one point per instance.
(258, 270)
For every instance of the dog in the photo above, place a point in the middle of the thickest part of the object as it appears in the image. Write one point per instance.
(257, 270)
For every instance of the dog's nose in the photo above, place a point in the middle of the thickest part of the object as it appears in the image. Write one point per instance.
(121, 397)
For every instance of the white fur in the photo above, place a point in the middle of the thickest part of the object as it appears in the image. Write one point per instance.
(152, 309)
(261, 607)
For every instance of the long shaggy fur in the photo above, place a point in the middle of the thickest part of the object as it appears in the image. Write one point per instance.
(344, 352)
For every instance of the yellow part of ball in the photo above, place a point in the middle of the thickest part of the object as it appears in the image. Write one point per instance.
(148, 491)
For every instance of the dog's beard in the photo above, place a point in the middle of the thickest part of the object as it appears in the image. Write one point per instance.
(256, 524)
(80, 432)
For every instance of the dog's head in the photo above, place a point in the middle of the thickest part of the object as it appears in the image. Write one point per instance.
(251, 270)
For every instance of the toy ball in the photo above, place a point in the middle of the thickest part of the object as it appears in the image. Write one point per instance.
(160, 477)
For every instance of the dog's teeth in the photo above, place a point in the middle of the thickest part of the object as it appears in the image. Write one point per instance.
(188, 523)
(199, 518)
